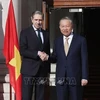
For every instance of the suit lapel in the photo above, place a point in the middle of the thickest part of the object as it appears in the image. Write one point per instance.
(35, 38)
(72, 44)
(33, 33)
(44, 37)
(62, 46)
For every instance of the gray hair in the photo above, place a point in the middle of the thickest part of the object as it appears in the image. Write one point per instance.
(66, 18)
(37, 12)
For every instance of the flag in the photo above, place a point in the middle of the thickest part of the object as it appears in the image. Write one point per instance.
(11, 52)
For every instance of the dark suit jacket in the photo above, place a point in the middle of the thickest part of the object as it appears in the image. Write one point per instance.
(75, 64)
(29, 47)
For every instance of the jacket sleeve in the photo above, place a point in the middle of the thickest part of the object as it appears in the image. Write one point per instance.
(84, 57)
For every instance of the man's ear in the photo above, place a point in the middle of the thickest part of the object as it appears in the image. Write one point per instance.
(72, 30)
(31, 18)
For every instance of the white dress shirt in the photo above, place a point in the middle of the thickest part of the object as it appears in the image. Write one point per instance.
(70, 37)
(41, 34)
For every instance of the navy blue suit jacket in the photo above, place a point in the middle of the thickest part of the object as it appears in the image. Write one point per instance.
(29, 47)
(75, 65)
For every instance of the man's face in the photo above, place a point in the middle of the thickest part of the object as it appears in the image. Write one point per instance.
(37, 21)
(65, 27)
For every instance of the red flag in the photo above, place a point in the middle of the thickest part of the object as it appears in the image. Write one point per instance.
(11, 52)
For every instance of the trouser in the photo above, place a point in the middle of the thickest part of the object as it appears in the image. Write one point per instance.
(68, 92)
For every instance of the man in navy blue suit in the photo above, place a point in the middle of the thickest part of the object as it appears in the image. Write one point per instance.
(34, 70)
(70, 54)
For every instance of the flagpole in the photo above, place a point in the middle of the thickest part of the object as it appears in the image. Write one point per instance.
(10, 84)
(10, 92)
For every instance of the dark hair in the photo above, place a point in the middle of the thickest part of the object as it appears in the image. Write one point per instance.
(37, 12)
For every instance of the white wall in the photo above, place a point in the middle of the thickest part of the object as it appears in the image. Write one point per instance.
(17, 10)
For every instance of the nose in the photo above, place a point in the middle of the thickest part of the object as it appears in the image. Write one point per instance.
(38, 21)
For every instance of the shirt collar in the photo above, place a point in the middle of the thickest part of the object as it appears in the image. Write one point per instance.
(70, 36)
(35, 28)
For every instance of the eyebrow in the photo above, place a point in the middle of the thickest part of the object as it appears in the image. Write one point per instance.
(37, 19)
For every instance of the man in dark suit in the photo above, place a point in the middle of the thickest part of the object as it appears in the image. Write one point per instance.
(34, 69)
(70, 53)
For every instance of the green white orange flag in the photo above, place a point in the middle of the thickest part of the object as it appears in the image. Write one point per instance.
(11, 52)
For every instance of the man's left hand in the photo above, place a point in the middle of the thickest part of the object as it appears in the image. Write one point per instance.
(84, 82)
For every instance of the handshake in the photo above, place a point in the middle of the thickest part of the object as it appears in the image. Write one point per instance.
(43, 56)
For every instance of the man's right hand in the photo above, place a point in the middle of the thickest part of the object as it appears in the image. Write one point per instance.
(43, 56)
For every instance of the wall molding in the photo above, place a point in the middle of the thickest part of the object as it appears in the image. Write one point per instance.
(76, 3)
